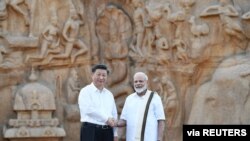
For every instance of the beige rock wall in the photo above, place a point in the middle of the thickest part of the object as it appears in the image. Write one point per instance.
(196, 54)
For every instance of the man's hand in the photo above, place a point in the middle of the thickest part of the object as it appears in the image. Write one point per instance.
(120, 123)
(116, 138)
(111, 122)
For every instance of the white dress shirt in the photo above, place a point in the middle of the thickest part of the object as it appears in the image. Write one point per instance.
(96, 106)
(130, 114)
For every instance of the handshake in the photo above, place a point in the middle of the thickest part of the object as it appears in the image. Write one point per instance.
(116, 123)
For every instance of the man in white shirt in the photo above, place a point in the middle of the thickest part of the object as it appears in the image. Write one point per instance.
(97, 108)
(133, 113)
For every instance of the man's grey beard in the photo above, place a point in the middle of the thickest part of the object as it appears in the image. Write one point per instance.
(140, 90)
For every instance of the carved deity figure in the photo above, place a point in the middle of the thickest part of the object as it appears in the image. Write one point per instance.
(70, 35)
(116, 52)
(50, 40)
(114, 29)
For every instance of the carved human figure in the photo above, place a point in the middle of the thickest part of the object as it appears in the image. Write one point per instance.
(70, 34)
(72, 113)
(164, 52)
(73, 87)
(50, 40)
(170, 100)
(186, 5)
(153, 30)
(180, 51)
(165, 86)
(139, 17)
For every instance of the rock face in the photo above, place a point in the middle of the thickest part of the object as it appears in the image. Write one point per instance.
(225, 98)
(194, 52)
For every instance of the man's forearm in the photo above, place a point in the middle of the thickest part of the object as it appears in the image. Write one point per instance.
(121, 131)
(161, 128)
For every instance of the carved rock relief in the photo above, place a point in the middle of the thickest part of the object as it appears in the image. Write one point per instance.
(34, 104)
(180, 44)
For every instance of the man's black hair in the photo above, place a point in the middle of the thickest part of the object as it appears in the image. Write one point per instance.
(100, 66)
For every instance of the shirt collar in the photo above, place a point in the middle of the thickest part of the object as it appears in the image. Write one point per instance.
(96, 89)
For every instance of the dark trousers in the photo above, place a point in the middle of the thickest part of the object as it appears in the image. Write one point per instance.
(94, 132)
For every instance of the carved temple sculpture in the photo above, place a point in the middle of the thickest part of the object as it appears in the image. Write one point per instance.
(195, 52)
(34, 104)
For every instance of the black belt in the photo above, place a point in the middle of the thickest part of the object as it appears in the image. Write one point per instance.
(96, 125)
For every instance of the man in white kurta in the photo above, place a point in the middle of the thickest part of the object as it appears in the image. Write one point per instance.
(133, 112)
